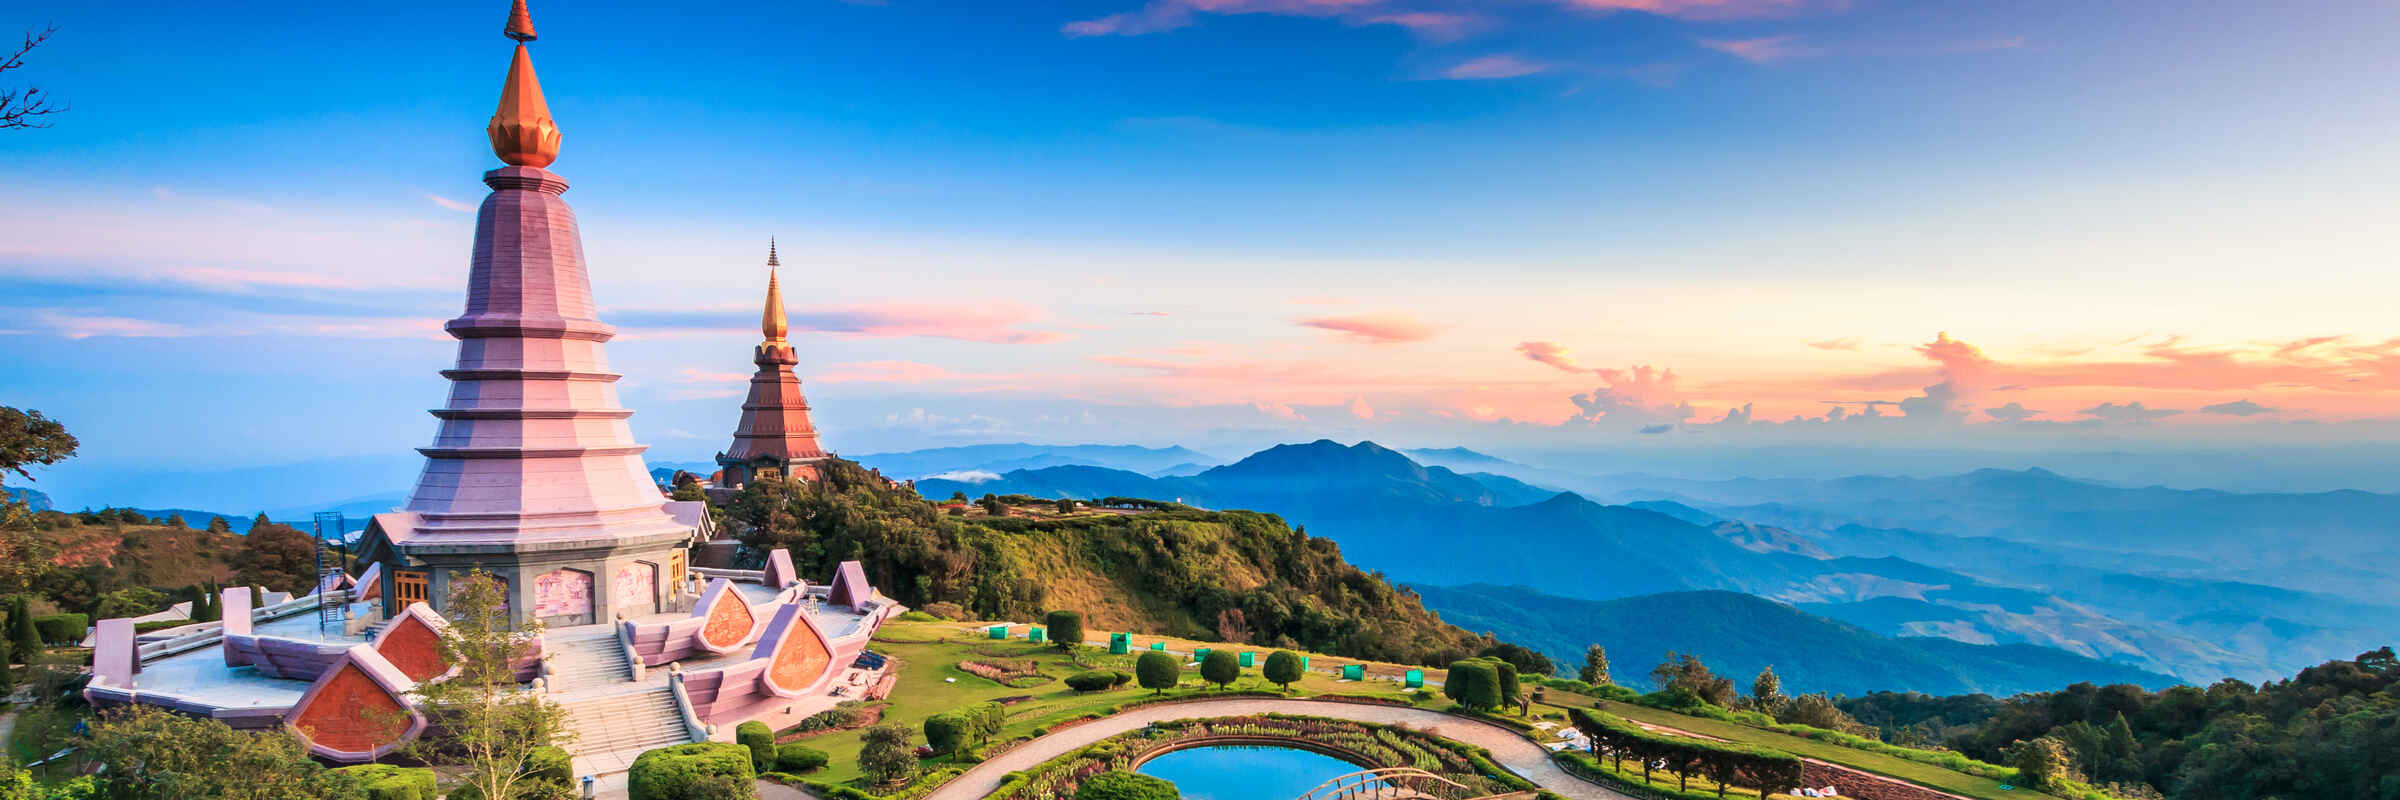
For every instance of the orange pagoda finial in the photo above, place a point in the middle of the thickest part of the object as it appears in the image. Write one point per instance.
(522, 132)
(771, 322)
(520, 23)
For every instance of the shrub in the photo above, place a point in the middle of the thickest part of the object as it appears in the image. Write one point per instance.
(1474, 683)
(946, 610)
(1125, 786)
(761, 741)
(701, 769)
(1283, 667)
(1092, 681)
(795, 758)
(1066, 629)
(388, 782)
(917, 616)
(945, 731)
(1119, 678)
(62, 628)
(1157, 671)
(884, 755)
(1220, 668)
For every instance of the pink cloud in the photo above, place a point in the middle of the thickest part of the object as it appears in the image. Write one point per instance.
(1712, 9)
(899, 372)
(1550, 353)
(1844, 343)
(1167, 15)
(1491, 68)
(447, 202)
(81, 326)
(697, 375)
(1375, 328)
(1434, 26)
(1763, 50)
(995, 323)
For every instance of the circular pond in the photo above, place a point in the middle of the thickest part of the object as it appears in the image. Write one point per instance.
(1245, 772)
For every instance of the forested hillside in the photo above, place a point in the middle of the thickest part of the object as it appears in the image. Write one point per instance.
(2331, 731)
(1224, 575)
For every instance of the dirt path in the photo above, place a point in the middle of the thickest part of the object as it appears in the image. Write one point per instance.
(1508, 748)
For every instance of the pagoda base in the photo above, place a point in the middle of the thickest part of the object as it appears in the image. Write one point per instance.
(554, 583)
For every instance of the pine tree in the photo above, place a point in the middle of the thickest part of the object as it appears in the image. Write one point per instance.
(22, 636)
(1595, 666)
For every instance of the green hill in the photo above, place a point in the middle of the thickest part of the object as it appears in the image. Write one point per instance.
(1739, 634)
(1214, 575)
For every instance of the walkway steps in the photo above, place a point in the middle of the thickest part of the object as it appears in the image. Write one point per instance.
(627, 721)
(585, 663)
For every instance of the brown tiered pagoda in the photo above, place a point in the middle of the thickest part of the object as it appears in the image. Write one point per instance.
(775, 439)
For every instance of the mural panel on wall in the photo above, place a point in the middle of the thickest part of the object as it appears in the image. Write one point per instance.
(562, 592)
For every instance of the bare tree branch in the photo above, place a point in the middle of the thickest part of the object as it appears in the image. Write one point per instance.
(24, 108)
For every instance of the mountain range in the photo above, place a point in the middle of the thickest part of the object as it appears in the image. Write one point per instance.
(1390, 513)
(1739, 634)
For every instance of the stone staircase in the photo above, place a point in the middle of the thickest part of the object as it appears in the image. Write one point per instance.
(585, 663)
(625, 722)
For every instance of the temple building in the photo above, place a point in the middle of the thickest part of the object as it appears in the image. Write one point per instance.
(775, 439)
(533, 475)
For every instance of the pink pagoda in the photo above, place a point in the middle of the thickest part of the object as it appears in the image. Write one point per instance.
(534, 475)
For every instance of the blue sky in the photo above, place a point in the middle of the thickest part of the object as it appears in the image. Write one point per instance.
(1225, 223)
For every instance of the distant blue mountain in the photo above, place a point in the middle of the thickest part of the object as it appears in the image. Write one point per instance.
(1738, 634)
(32, 499)
(999, 458)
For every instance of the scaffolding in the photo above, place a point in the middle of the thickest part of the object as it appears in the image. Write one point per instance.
(329, 569)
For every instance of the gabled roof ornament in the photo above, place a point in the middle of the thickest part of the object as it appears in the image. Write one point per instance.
(520, 23)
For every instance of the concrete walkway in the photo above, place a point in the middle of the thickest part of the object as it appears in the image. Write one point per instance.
(1508, 748)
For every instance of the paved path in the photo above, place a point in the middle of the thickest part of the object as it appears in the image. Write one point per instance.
(1508, 748)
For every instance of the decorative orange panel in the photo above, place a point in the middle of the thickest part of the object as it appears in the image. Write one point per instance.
(799, 660)
(413, 647)
(351, 713)
(728, 623)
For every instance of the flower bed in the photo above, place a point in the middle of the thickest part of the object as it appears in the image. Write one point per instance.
(1012, 673)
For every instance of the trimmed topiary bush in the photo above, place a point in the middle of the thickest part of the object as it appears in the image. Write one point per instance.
(795, 759)
(944, 732)
(1158, 671)
(1092, 681)
(1126, 786)
(1220, 668)
(761, 741)
(61, 628)
(388, 782)
(1066, 629)
(693, 770)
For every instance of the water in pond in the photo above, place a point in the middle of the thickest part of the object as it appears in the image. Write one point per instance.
(1246, 773)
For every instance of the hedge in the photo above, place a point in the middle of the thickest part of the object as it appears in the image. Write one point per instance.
(673, 772)
(1092, 681)
(388, 782)
(795, 758)
(62, 628)
(1723, 762)
(760, 740)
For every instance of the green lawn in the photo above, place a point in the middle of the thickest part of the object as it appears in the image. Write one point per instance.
(930, 652)
(1928, 774)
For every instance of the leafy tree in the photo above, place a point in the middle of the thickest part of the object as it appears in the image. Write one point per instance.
(1473, 683)
(490, 728)
(1220, 668)
(946, 731)
(1766, 691)
(1233, 627)
(1818, 711)
(689, 491)
(219, 525)
(993, 506)
(1066, 505)
(1066, 629)
(129, 602)
(1682, 673)
(25, 556)
(1157, 671)
(175, 520)
(151, 754)
(24, 637)
(884, 755)
(1283, 668)
(2041, 763)
(986, 720)
(26, 437)
(277, 556)
(1125, 786)
(1528, 661)
(1595, 666)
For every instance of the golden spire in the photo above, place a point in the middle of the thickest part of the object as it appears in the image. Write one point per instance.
(772, 321)
(521, 130)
